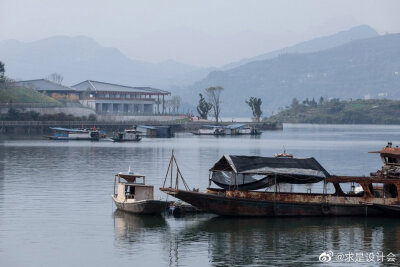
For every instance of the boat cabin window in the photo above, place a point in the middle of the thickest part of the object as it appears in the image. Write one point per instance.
(380, 190)
(390, 160)
(129, 191)
(349, 189)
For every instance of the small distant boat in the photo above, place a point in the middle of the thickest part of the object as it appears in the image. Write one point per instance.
(155, 131)
(128, 135)
(232, 129)
(211, 130)
(136, 197)
(242, 129)
(74, 134)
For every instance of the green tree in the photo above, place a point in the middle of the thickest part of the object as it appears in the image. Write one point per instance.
(306, 102)
(203, 108)
(2, 77)
(214, 97)
(2, 70)
(295, 103)
(313, 103)
(255, 105)
(13, 114)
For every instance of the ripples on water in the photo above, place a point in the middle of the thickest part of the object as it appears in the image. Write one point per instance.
(56, 209)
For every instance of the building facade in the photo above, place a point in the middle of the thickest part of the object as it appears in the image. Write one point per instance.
(108, 98)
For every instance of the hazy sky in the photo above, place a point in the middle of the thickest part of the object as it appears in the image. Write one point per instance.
(202, 33)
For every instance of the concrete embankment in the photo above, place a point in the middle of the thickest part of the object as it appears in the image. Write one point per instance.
(42, 127)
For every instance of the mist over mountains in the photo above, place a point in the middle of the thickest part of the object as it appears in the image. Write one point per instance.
(363, 68)
(314, 45)
(81, 58)
(350, 64)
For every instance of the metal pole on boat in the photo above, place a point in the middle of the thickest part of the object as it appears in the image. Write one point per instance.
(275, 195)
(325, 192)
(275, 188)
(166, 174)
(177, 177)
(172, 166)
(115, 180)
(236, 181)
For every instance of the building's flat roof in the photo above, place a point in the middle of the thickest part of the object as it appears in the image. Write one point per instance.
(44, 85)
(111, 87)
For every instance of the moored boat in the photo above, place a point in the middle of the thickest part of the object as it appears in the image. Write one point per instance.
(211, 130)
(251, 186)
(232, 129)
(135, 196)
(155, 131)
(128, 135)
(74, 134)
(241, 129)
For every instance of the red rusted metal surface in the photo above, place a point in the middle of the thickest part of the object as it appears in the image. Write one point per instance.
(389, 151)
(250, 203)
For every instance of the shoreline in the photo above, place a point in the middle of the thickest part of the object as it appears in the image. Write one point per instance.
(41, 127)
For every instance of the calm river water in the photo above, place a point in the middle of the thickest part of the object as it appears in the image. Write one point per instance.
(56, 209)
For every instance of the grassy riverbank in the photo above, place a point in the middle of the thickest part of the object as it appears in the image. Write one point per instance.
(373, 111)
(13, 94)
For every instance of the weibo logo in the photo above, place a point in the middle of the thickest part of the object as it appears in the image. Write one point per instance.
(326, 256)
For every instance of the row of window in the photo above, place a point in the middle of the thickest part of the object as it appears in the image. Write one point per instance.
(104, 107)
(122, 96)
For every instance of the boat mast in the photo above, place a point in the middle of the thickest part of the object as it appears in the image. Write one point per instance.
(178, 174)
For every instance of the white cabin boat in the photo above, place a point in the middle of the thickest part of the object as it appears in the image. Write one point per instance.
(133, 196)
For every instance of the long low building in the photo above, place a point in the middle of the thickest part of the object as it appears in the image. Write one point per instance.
(108, 98)
(105, 98)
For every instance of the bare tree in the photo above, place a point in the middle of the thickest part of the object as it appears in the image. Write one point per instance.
(214, 94)
(176, 102)
(168, 105)
(55, 77)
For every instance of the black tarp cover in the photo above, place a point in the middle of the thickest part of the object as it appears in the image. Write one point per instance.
(251, 172)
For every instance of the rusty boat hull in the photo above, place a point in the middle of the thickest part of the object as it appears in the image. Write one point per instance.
(262, 204)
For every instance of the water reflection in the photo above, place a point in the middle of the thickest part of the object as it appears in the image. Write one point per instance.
(226, 241)
(130, 228)
(271, 241)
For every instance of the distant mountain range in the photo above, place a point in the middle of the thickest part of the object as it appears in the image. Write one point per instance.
(81, 58)
(362, 68)
(314, 45)
(348, 64)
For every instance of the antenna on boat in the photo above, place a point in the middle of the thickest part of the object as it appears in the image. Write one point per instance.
(130, 171)
(170, 171)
